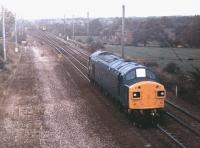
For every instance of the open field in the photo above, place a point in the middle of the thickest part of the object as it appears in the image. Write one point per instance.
(185, 58)
(84, 38)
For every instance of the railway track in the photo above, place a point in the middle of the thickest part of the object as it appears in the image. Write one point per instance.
(70, 45)
(68, 56)
(183, 125)
(179, 134)
(170, 136)
(193, 122)
(78, 60)
(75, 51)
(182, 110)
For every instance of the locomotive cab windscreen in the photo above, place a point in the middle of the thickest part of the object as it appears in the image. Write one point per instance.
(139, 74)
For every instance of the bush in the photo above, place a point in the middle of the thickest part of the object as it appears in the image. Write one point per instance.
(89, 40)
(189, 89)
(172, 68)
(188, 83)
(79, 40)
(94, 45)
(151, 64)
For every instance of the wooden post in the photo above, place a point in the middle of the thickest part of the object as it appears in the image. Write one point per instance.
(176, 90)
(123, 23)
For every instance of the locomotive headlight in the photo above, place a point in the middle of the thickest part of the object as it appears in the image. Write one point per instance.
(160, 93)
(136, 94)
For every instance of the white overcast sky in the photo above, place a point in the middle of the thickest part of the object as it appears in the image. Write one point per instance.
(35, 9)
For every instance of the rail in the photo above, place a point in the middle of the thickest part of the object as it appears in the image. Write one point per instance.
(170, 136)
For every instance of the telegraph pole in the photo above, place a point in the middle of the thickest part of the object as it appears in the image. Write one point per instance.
(73, 29)
(64, 28)
(88, 21)
(4, 36)
(123, 23)
(22, 29)
(16, 47)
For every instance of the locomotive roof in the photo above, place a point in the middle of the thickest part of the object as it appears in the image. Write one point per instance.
(114, 62)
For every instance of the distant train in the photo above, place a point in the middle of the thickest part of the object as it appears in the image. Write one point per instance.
(133, 85)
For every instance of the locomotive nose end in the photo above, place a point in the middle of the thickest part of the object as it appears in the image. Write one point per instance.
(146, 95)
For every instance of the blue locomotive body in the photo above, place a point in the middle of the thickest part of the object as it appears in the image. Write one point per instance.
(133, 85)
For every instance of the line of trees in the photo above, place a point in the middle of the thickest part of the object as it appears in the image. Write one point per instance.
(167, 31)
(170, 31)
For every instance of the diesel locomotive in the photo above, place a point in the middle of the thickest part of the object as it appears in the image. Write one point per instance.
(133, 85)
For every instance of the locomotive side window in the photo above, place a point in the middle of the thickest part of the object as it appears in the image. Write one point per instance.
(130, 76)
(140, 73)
(151, 75)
